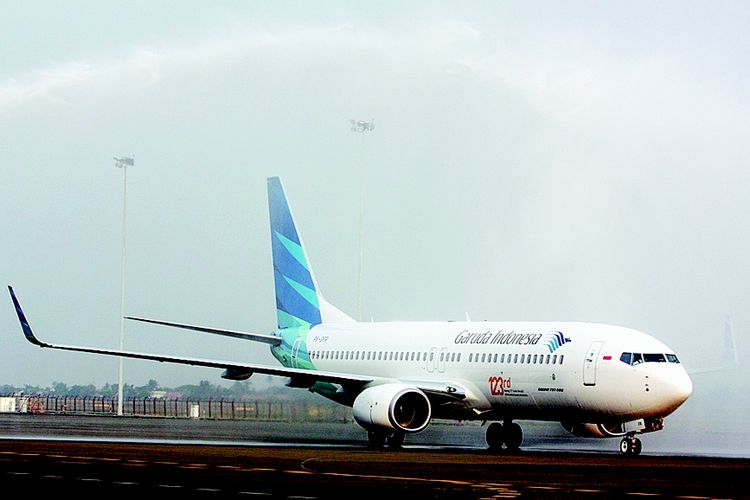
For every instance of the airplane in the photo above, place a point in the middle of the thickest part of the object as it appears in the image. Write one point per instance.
(597, 380)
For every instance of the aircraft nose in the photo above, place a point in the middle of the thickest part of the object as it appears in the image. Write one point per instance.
(678, 387)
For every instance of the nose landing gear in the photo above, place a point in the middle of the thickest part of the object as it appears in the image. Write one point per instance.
(630, 445)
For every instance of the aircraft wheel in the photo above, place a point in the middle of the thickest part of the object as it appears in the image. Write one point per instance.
(630, 445)
(376, 440)
(637, 446)
(513, 436)
(396, 440)
(625, 446)
(495, 436)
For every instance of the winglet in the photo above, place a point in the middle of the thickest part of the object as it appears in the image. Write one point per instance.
(24, 322)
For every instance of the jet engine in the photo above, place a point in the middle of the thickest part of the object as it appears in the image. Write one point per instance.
(642, 425)
(595, 430)
(392, 406)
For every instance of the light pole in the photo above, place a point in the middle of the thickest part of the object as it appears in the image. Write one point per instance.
(123, 163)
(361, 127)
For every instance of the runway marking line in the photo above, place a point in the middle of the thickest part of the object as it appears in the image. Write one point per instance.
(582, 490)
(258, 469)
(298, 472)
(401, 478)
(638, 494)
(167, 463)
(193, 466)
(255, 493)
(89, 479)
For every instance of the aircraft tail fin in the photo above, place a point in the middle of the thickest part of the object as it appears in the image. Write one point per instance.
(298, 298)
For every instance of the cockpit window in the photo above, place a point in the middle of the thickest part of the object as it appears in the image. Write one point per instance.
(654, 358)
(636, 358)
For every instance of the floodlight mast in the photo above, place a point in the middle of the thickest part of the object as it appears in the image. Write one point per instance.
(361, 127)
(123, 163)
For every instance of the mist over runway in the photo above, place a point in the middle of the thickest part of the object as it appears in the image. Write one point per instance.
(679, 439)
(108, 463)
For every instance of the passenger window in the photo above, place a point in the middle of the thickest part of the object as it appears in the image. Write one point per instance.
(523, 358)
(515, 358)
(535, 358)
(547, 359)
(471, 357)
(562, 358)
(626, 357)
(554, 359)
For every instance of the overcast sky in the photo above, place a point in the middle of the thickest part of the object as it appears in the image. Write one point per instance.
(531, 161)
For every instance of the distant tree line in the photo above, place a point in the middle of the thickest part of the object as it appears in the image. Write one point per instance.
(204, 390)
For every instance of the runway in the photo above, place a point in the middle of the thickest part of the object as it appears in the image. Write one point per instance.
(207, 464)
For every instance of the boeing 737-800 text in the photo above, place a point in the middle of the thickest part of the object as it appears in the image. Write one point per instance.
(597, 380)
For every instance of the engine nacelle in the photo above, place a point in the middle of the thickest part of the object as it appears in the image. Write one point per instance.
(392, 406)
(595, 430)
(639, 426)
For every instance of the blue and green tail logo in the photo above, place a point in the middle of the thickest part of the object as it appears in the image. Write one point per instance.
(297, 303)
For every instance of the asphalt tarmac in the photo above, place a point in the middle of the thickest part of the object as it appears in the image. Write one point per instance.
(45, 454)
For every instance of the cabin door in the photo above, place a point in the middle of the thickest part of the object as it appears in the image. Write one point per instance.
(589, 364)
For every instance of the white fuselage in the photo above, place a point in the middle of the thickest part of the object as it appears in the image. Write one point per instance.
(531, 370)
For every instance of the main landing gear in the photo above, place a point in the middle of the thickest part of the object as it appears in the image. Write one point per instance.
(630, 445)
(376, 439)
(509, 434)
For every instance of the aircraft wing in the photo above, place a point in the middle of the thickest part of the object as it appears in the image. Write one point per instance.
(314, 375)
(444, 392)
